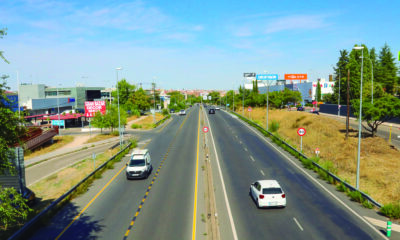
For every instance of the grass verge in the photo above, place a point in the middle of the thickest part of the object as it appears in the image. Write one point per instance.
(328, 166)
(100, 137)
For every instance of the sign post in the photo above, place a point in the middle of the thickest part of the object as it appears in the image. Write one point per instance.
(249, 110)
(301, 132)
(94, 160)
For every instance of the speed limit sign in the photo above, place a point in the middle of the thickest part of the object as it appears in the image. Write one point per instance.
(301, 132)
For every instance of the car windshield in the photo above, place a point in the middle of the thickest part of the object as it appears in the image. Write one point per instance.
(137, 163)
(272, 190)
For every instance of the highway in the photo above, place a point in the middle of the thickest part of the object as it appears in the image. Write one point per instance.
(164, 206)
(166, 212)
(310, 213)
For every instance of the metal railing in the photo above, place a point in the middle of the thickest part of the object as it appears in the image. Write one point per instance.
(20, 234)
(271, 135)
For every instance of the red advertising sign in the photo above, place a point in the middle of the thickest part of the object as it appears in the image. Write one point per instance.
(296, 76)
(91, 107)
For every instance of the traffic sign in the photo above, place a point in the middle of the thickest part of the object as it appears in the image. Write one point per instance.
(249, 109)
(301, 132)
(317, 151)
(205, 129)
(249, 74)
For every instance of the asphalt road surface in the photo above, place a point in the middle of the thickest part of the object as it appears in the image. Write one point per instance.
(166, 212)
(162, 206)
(310, 213)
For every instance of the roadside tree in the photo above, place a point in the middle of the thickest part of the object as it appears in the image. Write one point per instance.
(386, 73)
(383, 109)
(141, 100)
(99, 121)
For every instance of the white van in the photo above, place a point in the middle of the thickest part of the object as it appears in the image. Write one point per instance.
(139, 166)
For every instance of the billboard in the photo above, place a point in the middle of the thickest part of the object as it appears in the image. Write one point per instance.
(91, 107)
(296, 76)
(267, 77)
(249, 74)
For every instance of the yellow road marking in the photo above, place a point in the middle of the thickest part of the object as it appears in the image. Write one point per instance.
(90, 203)
(195, 185)
(127, 233)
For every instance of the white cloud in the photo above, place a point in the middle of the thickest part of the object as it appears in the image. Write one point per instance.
(298, 22)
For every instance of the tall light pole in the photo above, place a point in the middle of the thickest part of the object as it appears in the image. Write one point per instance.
(372, 80)
(243, 95)
(359, 117)
(267, 100)
(58, 107)
(119, 116)
(339, 94)
(154, 96)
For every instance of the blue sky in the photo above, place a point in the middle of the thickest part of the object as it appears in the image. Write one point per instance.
(185, 44)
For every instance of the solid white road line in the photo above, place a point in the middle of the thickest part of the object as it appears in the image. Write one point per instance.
(235, 237)
(252, 159)
(315, 181)
(298, 224)
(262, 172)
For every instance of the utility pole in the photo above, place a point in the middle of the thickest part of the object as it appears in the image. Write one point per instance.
(348, 103)
(154, 96)
(339, 94)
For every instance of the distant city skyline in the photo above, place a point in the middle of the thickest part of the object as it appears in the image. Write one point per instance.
(185, 44)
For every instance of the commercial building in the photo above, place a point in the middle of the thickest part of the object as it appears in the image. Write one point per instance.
(40, 99)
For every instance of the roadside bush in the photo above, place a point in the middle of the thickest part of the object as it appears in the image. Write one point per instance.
(135, 126)
(391, 210)
(355, 196)
(342, 188)
(274, 126)
(115, 133)
(165, 112)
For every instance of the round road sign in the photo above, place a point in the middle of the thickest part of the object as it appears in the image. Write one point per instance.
(249, 109)
(317, 151)
(205, 129)
(301, 132)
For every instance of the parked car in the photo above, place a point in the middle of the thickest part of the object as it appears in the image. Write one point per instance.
(172, 110)
(182, 112)
(301, 108)
(139, 165)
(211, 111)
(268, 193)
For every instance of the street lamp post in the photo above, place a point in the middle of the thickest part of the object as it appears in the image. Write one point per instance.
(243, 95)
(119, 116)
(58, 110)
(339, 94)
(359, 118)
(372, 80)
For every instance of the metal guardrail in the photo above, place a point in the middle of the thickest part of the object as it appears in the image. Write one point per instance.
(35, 220)
(352, 188)
(160, 121)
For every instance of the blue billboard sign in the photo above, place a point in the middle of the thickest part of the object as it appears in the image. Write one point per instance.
(60, 123)
(267, 76)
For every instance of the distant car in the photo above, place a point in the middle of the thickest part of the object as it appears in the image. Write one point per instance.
(211, 111)
(172, 110)
(182, 112)
(268, 193)
(216, 108)
(139, 166)
(300, 109)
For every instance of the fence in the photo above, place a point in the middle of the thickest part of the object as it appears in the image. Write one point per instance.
(29, 226)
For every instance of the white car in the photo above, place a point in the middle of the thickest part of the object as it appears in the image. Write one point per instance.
(268, 193)
(216, 108)
(182, 112)
(139, 166)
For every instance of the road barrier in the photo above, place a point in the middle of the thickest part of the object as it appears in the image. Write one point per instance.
(29, 227)
(298, 154)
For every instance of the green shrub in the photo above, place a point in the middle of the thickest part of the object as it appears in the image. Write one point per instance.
(115, 133)
(165, 112)
(342, 188)
(391, 210)
(274, 126)
(355, 196)
(135, 126)
(367, 204)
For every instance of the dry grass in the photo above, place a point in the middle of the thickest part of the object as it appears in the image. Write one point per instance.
(59, 183)
(99, 137)
(147, 122)
(58, 142)
(131, 118)
(379, 164)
